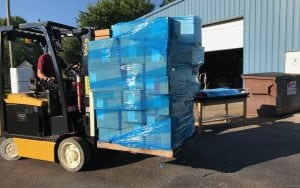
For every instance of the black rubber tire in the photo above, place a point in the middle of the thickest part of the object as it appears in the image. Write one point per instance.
(1, 140)
(8, 149)
(79, 154)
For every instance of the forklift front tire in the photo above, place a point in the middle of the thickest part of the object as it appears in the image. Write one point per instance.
(74, 154)
(9, 150)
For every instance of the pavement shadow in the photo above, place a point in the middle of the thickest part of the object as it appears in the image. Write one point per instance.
(105, 159)
(231, 147)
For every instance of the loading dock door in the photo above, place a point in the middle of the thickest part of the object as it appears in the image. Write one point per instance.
(223, 36)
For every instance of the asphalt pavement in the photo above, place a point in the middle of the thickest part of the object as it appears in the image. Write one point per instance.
(262, 153)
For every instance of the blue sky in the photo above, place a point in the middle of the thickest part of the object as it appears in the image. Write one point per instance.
(63, 11)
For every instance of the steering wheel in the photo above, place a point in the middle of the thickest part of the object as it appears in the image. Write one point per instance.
(72, 69)
(68, 68)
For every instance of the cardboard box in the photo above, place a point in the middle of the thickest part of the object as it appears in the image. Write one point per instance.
(102, 37)
(103, 32)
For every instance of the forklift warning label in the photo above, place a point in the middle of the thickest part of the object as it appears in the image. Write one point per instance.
(87, 85)
(291, 88)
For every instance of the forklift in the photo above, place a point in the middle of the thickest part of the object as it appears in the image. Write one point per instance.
(52, 121)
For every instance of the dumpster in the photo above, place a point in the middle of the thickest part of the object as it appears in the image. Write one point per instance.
(272, 94)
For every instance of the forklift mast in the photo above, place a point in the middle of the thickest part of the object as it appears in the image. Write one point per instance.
(89, 36)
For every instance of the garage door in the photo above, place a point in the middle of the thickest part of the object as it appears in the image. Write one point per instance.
(223, 36)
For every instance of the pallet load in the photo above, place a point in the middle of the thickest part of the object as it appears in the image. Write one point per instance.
(144, 80)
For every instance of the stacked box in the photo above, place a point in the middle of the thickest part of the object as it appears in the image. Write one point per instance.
(108, 100)
(133, 100)
(190, 32)
(144, 80)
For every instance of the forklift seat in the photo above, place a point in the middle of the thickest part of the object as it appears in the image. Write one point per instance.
(25, 99)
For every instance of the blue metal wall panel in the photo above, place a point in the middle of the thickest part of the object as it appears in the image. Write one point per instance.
(282, 34)
(251, 39)
(193, 6)
(290, 23)
(231, 8)
(226, 10)
(275, 35)
(222, 9)
(296, 43)
(247, 40)
(242, 7)
(205, 11)
(257, 35)
(264, 36)
(214, 10)
(218, 10)
(236, 7)
(269, 37)
(271, 27)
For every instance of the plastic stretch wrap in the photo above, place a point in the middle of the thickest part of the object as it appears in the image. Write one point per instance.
(157, 29)
(220, 92)
(190, 32)
(144, 80)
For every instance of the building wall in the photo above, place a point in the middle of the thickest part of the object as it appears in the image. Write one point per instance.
(271, 27)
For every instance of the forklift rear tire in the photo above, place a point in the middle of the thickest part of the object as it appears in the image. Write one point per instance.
(9, 150)
(74, 154)
(1, 139)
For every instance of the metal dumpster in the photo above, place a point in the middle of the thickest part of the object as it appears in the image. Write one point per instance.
(272, 94)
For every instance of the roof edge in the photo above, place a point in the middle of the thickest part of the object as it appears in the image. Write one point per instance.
(162, 8)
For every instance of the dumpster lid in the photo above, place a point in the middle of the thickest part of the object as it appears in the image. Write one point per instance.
(273, 75)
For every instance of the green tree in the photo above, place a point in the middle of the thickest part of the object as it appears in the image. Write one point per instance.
(71, 50)
(165, 2)
(105, 13)
(21, 50)
(14, 20)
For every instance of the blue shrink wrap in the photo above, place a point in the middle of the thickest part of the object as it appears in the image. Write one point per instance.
(186, 29)
(105, 80)
(151, 84)
(107, 134)
(133, 83)
(134, 100)
(190, 29)
(144, 80)
(103, 52)
(133, 116)
(155, 135)
(157, 85)
(120, 119)
(143, 70)
(108, 100)
(189, 54)
(125, 27)
(158, 104)
(156, 56)
(184, 84)
(220, 92)
(153, 29)
(109, 118)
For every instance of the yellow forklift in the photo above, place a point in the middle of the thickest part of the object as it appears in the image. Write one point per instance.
(52, 121)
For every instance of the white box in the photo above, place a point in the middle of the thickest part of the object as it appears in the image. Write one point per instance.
(20, 87)
(20, 74)
(292, 62)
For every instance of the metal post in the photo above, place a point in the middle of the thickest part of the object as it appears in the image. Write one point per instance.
(8, 23)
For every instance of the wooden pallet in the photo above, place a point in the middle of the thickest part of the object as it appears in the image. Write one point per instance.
(161, 153)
